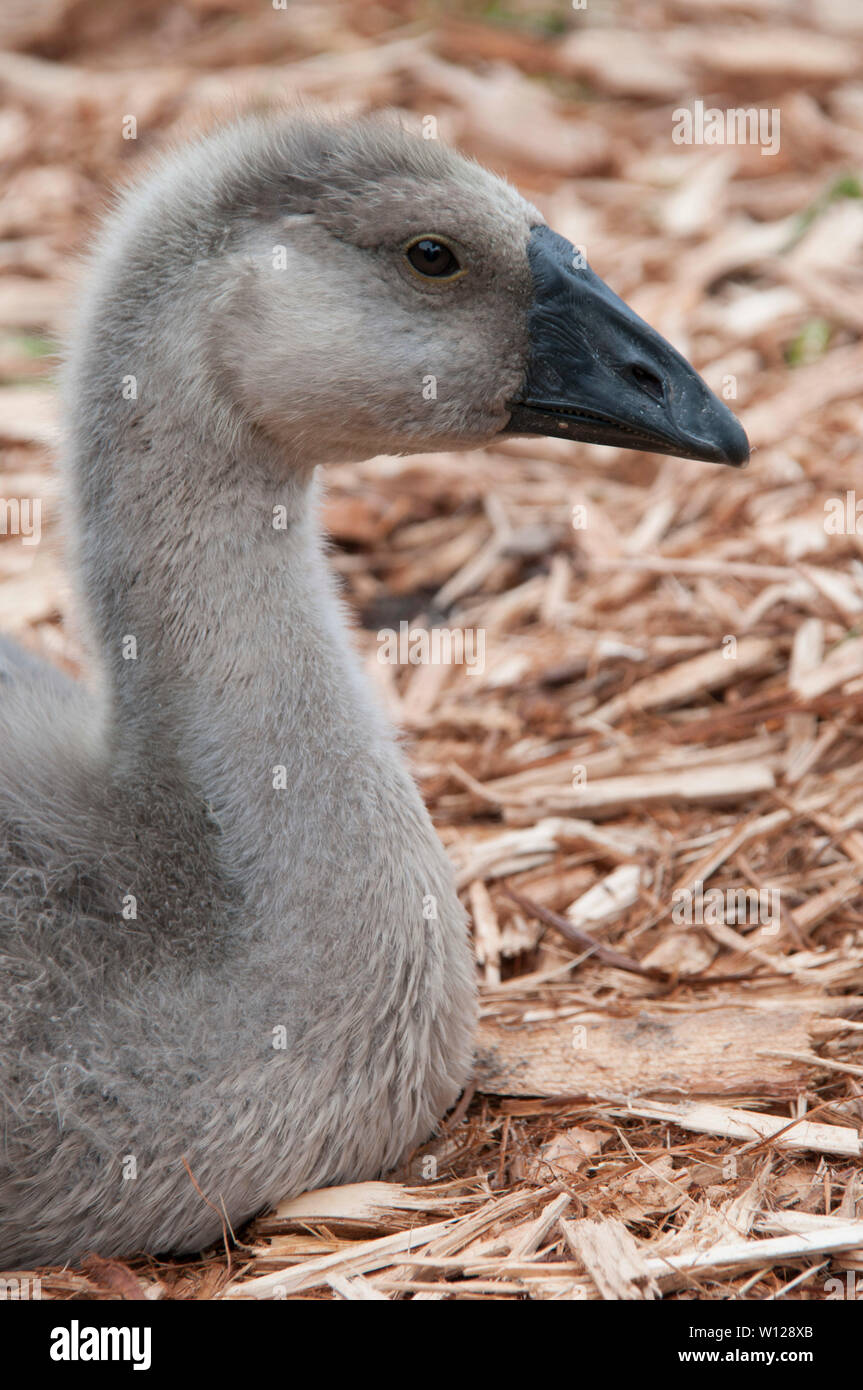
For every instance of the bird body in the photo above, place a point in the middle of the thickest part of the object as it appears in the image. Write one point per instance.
(233, 964)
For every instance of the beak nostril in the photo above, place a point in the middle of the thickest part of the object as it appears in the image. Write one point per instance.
(647, 381)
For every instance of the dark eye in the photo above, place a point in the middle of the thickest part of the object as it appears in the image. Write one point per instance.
(432, 258)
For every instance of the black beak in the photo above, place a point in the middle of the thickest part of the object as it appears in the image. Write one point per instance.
(598, 373)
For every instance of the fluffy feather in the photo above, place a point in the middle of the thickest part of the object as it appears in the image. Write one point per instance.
(168, 916)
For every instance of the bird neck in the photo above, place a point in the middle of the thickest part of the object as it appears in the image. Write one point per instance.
(227, 661)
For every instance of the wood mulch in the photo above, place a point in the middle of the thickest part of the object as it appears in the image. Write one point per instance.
(651, 783)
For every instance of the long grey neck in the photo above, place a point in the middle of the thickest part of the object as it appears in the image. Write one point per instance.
(225, 651)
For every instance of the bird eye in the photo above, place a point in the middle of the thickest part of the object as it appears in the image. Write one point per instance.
(432, 258)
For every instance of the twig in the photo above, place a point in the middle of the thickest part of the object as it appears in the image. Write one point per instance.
(608, 956)
(219, 1211)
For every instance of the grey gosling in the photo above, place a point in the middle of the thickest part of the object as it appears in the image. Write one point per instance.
(231, 944)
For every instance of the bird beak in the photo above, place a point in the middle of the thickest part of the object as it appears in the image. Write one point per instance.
(598, 373)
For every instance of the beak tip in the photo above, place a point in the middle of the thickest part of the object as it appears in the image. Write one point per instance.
(731, 444)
